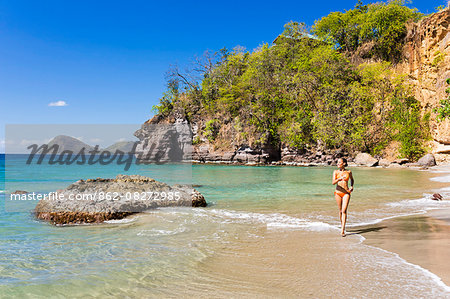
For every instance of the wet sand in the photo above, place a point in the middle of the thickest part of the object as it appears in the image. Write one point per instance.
(423, 240)
(441, 214)
(299, 264)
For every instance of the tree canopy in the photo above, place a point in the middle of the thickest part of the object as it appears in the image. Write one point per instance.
(380, 25)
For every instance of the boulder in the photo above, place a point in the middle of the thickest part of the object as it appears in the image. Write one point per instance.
(384, 162)
(401, 161)
(228, 156)
(241, 157)
(98, 200)
(436, 196)
(427, 160)
(365, 159)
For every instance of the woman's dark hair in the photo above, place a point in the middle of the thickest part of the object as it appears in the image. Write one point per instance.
(345, 161)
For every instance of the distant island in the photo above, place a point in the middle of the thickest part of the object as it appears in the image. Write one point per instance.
(68, 143)
(124, 146)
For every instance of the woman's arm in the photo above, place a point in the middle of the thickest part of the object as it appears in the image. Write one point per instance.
(352, 180)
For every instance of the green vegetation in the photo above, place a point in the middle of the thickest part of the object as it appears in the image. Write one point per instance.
(196, 140)
(440, 7)
(380, 27)
(438, 58)
(443, 111)
(166, 102)
(405, 122)
(304, 91)
(211, 129)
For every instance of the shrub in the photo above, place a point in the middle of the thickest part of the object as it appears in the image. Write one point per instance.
(443, 111)
(211, 129)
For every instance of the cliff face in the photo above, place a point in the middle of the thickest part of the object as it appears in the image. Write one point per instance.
(427, 51)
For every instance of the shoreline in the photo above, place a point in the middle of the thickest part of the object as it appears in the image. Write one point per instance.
(413, 166)
(421, 239)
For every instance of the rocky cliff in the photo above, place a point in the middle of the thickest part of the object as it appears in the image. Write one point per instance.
(427, 53)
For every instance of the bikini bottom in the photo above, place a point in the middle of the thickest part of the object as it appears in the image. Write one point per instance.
(340, 193)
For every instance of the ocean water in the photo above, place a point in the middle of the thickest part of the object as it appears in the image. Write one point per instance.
(268, 231)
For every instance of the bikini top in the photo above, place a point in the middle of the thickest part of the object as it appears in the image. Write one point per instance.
(345, 175)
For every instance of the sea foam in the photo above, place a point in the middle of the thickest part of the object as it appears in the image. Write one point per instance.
(442, 179)
(273, 220)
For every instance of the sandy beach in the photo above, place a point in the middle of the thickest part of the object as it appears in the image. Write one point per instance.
(422, 240)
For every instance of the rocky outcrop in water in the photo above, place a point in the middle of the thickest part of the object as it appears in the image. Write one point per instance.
(19, 192)
(98, 200)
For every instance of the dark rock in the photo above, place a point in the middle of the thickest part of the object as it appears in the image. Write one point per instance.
(289, 158)
(197, 199)
(436, 196)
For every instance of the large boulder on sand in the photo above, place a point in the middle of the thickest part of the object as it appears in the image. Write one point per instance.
(98, 200)
(365, 159)
(384, 162)
(427, 160)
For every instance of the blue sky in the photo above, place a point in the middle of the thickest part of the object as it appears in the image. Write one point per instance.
(106, 59)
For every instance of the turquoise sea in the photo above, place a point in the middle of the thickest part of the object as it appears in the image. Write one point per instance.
(268, 231)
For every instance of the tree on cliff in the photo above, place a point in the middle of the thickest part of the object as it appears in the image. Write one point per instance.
(380, 26)
(443, 111)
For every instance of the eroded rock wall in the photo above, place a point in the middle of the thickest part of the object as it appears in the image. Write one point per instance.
(427, 53)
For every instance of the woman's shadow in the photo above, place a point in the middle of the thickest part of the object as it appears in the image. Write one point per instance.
(365, 230)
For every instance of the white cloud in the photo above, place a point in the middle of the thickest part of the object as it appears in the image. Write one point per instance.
(2, 146)
(58, 104)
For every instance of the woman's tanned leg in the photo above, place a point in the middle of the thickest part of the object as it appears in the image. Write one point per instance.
(345, 202)
(339, 202)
